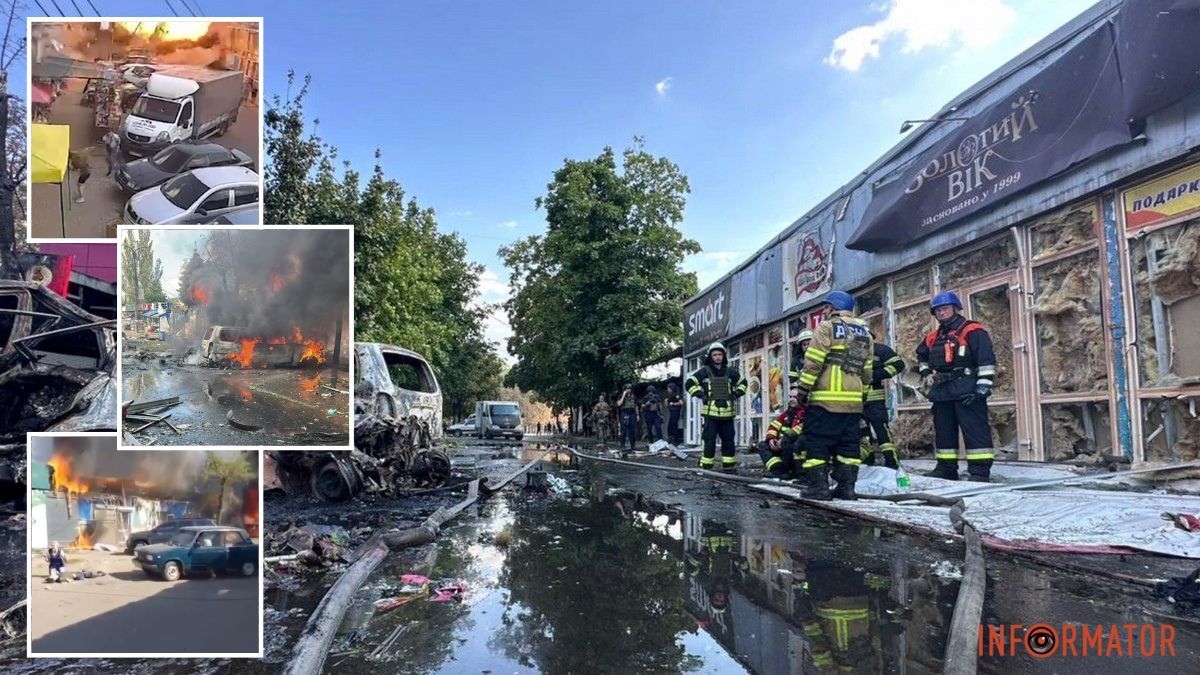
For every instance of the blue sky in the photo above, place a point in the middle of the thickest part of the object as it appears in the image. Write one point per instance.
(767, 106)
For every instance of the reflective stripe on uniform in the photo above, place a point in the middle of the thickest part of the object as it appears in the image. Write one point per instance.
(987, 370)
(773, 462)
(728, 461)
(815, 355)
(707, 461)
(810, 463)
(984, 381)
(980, 455)
(849, 460)
(946, 454)
(835, 397)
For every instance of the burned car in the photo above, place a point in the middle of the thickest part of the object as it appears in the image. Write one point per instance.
(398, 420)
(228, 346)
(211, 549)
(56, 364)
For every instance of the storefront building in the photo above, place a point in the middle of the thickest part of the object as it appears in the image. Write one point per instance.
(1065, 213)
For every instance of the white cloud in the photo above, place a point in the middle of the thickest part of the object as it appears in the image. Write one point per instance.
(510, 224)
(923, 23)
(497, 331)
(663, 85)
(491, 287)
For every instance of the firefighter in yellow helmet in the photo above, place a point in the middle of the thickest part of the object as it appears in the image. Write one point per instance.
(717, 386)
(831, 382)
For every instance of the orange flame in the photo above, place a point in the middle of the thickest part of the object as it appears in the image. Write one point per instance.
(201, 294)
(245, 355)
(250, 511)
(63, 477)
(84, 540)
(314, 352)
(246, 393)
(311, 385)
(276, 283)
(297, 337)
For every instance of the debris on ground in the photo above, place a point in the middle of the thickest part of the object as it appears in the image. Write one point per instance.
(1184, 592)
(947, 570)
(1184, 521)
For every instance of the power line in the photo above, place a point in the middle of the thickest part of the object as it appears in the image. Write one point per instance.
(76, 6)
(94, 8)
(39, 4)
(198, 8)
(55, 3)
(188, 7)
(172, 7)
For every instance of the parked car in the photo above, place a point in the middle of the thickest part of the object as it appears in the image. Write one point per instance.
(148, 172)
(466, 426)
(163, 532)
(498, 419)
(212, 549)
(250, 215)
(195, 196)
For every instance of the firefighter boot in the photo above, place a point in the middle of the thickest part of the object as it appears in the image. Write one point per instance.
(845, 475)
(945, 468)
(979, 470)
(816, 483)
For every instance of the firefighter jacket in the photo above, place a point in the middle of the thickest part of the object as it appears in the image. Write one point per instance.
(959, 355)
(717, 387)
(790, 422)
(885, 365)
(836, 364)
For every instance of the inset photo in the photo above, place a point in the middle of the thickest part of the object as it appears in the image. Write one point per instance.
(142, 553)
(235, 337)
(150, 121)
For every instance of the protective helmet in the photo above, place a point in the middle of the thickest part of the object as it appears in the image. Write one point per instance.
(942, 299)
(840, 301)
(716, 346)
(805, 334)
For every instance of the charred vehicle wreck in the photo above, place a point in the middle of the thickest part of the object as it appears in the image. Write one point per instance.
(56, 365)
(398, 422)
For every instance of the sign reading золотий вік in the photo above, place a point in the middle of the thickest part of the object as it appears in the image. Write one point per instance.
(1066, 113)
(707, 318)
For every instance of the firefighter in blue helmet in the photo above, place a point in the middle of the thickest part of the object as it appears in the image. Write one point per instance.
(958, 365)
(717, 386)
(836, 365)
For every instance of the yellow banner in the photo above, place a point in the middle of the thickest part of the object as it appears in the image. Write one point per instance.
(1173, 195)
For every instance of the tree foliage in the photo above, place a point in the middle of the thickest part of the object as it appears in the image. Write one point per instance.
(227, 472)
(141, 271)
(414, 286)
(599, 294)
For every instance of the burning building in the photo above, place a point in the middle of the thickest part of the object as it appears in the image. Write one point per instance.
(269, 298)
(85, 492)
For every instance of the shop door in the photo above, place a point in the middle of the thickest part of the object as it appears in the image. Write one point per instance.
(754, 404)
(993, 303)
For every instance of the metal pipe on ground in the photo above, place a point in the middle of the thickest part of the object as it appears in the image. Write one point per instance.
(308, 657)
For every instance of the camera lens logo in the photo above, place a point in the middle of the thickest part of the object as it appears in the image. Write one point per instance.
(1040, 640)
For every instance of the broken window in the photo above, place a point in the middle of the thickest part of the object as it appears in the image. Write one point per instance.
(875, 324)
(1167, 287)
(870, 301)
(911, 325)
(409, 373)
(997, 256)
(1070, 325)
(1063, 231)
(911, 287)
(795, 326)
(752, 343)
(912, 432)
(734, 349)
(1171, 429)
(1076, 431)
(1003, 420)
(992, 308)
(229, 335)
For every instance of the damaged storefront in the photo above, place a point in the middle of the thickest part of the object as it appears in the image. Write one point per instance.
(1061, 204)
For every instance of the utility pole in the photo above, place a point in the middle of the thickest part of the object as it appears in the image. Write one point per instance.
(8, 224)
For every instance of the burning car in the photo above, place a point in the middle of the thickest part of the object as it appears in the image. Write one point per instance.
(56, 364)
(233, 347)
(200, 549)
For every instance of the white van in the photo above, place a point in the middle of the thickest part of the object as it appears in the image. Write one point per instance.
(499, 419)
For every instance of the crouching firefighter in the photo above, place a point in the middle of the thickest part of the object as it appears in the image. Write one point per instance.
(958, 365)
(885, 364)
(831, 383)
(717, 385)
(782, 451)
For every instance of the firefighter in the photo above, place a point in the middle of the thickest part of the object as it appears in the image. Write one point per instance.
(802, 341)
(885, 364)
(782, 450)
(958, 365)
(717, 385)
(831, 383)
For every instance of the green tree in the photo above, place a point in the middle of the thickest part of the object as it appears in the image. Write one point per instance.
(227, 472)
(600, 293)
(414, 285)
(141, 271)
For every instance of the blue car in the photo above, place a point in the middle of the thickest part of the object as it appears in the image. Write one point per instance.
(209, 550)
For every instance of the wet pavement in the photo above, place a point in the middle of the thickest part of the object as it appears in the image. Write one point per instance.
(293, 406)
(105, 200)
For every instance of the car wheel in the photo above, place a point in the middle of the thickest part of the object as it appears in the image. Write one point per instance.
(134, 545)
(248, 568)
(172, 571)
